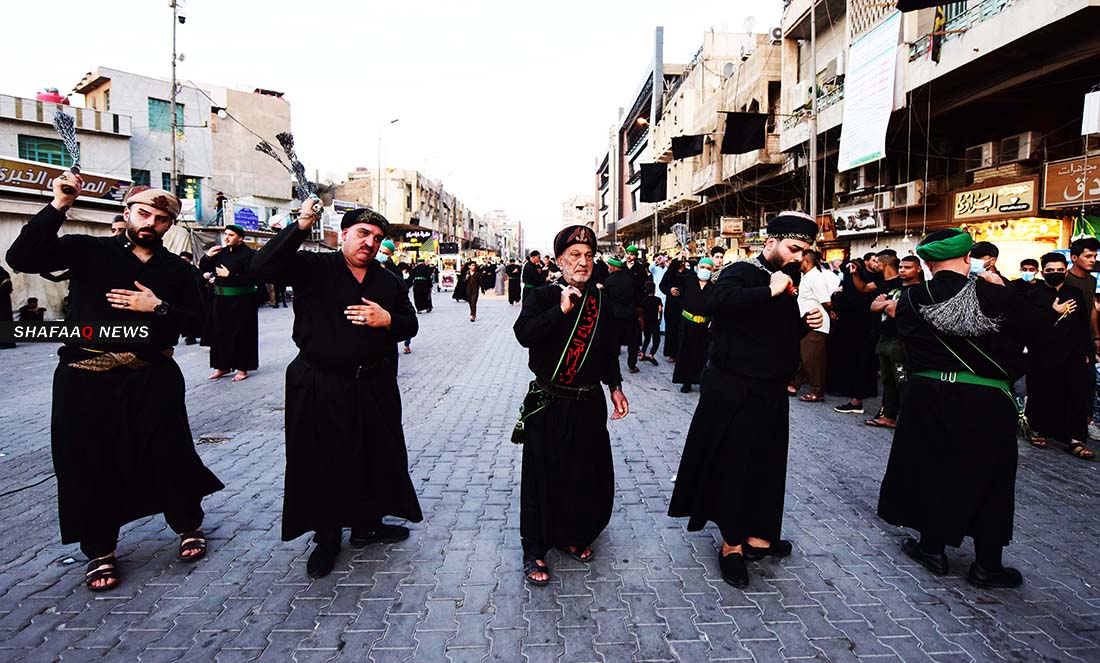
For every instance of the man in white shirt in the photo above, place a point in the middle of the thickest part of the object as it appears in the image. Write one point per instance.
(657, 271)
(814, 292)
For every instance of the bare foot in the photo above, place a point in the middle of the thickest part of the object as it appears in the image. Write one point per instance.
(217, 374)
(539, 576)
(727, 549)
(241, 375)
(758, 543)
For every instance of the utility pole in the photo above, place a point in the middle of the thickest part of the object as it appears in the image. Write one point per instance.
(175, 20)
(813, 114)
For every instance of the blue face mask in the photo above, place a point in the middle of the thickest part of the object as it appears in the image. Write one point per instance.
(703, 274)
(977, 265)
(1028, 277)
(381, 257)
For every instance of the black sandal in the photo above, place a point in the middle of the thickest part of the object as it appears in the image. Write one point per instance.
(1078, 450)
(531, 567)
(193, 540)
(102, 568)
(577, 553)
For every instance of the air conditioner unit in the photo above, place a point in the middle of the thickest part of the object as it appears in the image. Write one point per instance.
(776, 35)
(1021, 147)
(746, 53)
(884, 200)
(840, 183)
(909, 194)
(981, 156)
(799, 96)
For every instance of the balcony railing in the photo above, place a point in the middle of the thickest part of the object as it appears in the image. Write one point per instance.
(829, 96)
(42, 112)
(957, 25)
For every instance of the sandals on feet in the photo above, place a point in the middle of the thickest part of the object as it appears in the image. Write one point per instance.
(1038, 442)
(102, 568)
(578, 553)
(193, 540)
(1078, 450)
(531, 567)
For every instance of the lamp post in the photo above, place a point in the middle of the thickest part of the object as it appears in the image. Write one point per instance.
(378, 178)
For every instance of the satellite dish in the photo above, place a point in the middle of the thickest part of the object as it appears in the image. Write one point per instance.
(749, 24)
(727, 71)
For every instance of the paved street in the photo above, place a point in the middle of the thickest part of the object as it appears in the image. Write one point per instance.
(454, 590)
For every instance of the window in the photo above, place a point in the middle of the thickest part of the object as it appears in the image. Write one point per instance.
(140, 177)
(44, 150)
(166, 181)
(954, 9)
(160, 118)
(106, 100)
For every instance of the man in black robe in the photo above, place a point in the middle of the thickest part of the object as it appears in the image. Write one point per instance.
(674, 308)
(1059, 358)
(6, 289)
(235, 333)
(567, 484)
(422, 286)
(191, 335)
(533, 275)
(621, 292)
(512, 273)
(122, 446)
(346, 462)
(952, 467)
(734, 464)
(487, 275)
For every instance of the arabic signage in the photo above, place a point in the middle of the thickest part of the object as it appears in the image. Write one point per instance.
(857, 221)
(415, 238)
(990, 202)
(38, 177)
(246, 218)
(733, 226)
(869, 95)
(1072, 182)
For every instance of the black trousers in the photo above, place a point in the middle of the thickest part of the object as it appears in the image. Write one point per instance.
(651, 335)
(181, 520)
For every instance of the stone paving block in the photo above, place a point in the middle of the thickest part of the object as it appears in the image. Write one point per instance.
(506, 645)
(653, 643)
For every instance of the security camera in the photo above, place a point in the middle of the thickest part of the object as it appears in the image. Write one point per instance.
(182, 19)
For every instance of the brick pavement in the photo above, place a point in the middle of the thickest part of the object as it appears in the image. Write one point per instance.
(454, 591)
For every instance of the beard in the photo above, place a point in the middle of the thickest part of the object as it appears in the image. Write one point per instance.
(145, 238)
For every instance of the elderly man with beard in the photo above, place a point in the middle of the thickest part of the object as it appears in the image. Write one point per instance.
(122, 446)
(734, 464)
(346, 462)
(567, 482)
(234, 323)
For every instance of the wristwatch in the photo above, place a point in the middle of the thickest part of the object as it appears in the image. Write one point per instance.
(160, 310)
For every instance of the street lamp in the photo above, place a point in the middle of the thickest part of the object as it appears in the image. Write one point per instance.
(378, 177)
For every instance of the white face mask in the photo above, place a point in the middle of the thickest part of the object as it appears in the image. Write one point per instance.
(977, 265)
(703, 273)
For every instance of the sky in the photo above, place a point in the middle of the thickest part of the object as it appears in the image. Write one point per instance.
(508, 103)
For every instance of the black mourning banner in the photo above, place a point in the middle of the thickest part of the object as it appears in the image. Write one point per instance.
(913, 5)
(687, 146)
(654, 186)
(744, 132)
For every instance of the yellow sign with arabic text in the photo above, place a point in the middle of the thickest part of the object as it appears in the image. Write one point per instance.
(992, 202)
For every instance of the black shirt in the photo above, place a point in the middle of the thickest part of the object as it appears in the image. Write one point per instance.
(545, 331)
(1058, 342)
(323, 288)
(533, 275)
(651, 312)
(512, 271)
(100, 264)
(753, 334)
(236, 260)
(621, 295)
(892, 289)
(27, 314)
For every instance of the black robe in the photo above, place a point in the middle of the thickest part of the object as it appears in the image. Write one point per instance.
(673, 308)
(694, 336)
(533, 276)
(6, 289)
(422, 286)
(513, 273)
(487, 275)
(952, 467)
(734, 466)
(568, 481)
(346, 462)
(235, 332)
(1059, 366)
(851, 359)
(121, 442)
(621, 295)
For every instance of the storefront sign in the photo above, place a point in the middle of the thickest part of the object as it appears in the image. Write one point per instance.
(733, 226)
(1015, 199)
(34, 176)
(857, 221)
(415, 238)
(1071, 183)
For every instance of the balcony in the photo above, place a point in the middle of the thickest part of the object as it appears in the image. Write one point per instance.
(959, 24)
(828, 96)
(42, 112)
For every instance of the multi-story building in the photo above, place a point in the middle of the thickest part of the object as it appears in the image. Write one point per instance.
(579, 210)
(508, 233)
(147, 101)
(32, 155)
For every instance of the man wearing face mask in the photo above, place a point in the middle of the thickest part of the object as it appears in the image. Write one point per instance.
(694, 326)
(952, 467)
(346, 462)
(1029, 270)
(1060, 362)
(983, 257)
(734, 466)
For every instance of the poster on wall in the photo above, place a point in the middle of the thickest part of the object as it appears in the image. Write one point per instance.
(869, 95)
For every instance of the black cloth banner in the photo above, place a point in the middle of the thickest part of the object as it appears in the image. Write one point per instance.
(744, 132)
(913, 5)
(654, 187)
(687, 146)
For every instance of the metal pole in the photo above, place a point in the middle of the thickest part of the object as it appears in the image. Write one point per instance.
(175, 21)
(813, 115)
(378, 173)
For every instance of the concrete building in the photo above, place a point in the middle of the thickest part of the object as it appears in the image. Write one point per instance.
(508, 233)
(147, 101)
(32, 155)
(579, 210)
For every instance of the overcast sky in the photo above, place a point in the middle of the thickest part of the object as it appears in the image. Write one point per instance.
(508, 102)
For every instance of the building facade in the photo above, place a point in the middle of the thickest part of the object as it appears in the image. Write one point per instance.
(579, 210)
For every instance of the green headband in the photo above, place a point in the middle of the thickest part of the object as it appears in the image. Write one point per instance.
(615, 262)
(631, 249)
(947, 248)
